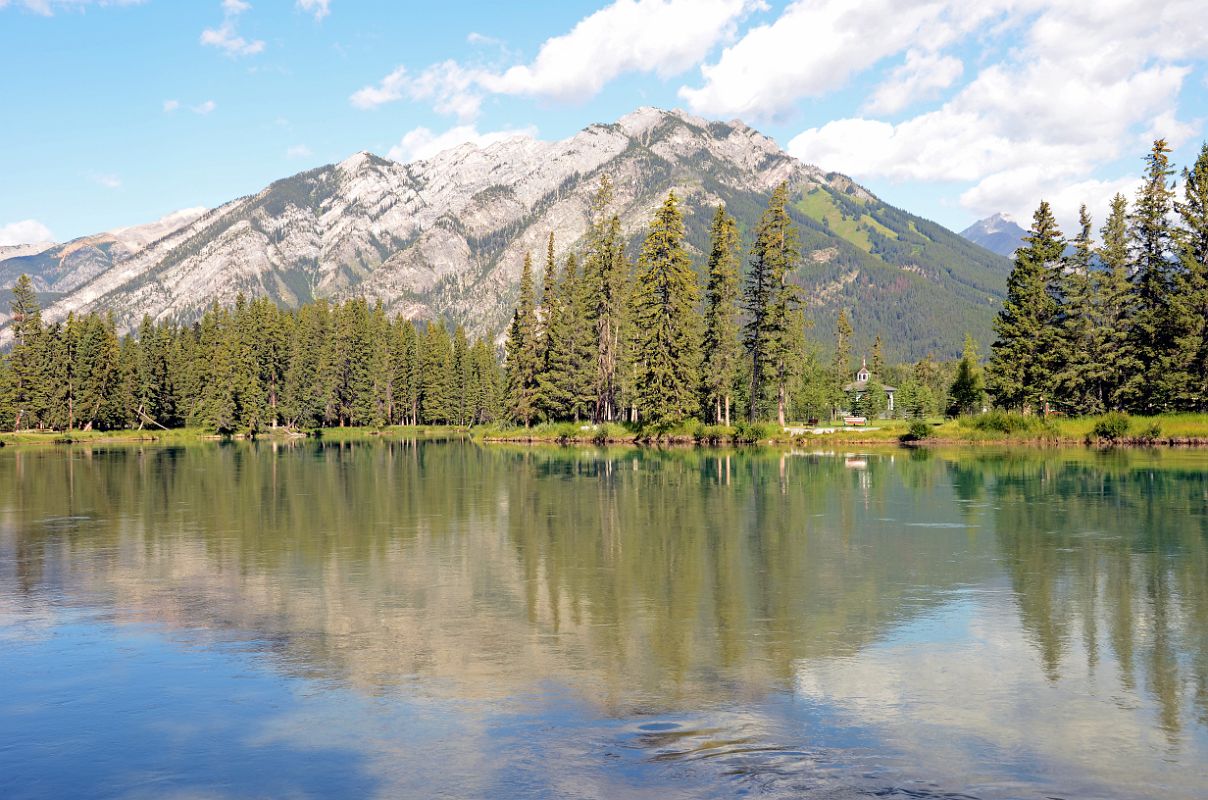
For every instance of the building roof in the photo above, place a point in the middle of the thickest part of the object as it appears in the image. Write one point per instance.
(859, 386)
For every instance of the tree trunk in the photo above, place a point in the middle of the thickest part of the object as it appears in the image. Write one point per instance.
(727, 411)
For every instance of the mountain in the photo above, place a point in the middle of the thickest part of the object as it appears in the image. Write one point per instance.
(58, 269)
(998, 234)
(445, 237)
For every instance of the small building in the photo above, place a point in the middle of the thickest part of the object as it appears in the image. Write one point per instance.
(855, 390)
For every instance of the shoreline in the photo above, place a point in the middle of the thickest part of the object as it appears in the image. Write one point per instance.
(1186, 432)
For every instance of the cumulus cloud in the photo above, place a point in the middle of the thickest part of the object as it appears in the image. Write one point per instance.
(1085, 87)
(447, 85)
(317, 8)
(422, 143)
(27, 231)
(922, 76)
(204, 108)
(817, 46)
(664, 37)
(298, 151)
(171, 105)
(226, 38)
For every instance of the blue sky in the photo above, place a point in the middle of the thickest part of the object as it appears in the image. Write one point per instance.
(116, 112)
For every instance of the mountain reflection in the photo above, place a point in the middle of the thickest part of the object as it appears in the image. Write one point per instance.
(645, 579)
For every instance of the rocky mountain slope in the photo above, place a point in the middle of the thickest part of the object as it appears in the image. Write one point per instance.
(445, 237)
(57, 269)
(998, 234)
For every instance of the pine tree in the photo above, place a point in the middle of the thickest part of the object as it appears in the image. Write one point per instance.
(459, 369)
(1153, 277)
(303, 394)
(583, 352)
(1115, 303)
(561, 372)
(720, 343)
(436, 402)
(605, 274)
(1186, 371)
(1021, 363)
(522, 351)
(96, 375)
(967, 393)
(1076, 352)
(666, 333)
(878, 359)
(25, 360)
(841, 360)
(769, 300)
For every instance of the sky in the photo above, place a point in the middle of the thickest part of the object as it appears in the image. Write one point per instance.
(118, 112)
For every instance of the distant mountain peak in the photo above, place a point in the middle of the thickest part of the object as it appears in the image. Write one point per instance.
(998, 233)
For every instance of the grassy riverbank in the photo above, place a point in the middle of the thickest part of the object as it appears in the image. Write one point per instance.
(186, 435)
(991, 428)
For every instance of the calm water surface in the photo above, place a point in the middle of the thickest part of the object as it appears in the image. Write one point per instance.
(401, 619)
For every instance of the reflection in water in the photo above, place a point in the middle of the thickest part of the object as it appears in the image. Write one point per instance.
(520, 622)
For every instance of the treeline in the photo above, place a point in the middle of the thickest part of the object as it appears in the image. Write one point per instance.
(646, 343)
(1121, 325)
(615, 341)
(244, 369)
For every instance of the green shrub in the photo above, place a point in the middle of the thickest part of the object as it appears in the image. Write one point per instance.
(1111, 427)
(751, 432)
(918, 430)
(712, 434)
(1150, 433)
(1003, 422)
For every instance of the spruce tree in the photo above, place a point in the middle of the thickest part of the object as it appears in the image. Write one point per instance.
(522, 355)
(968, 392)
(720, 344)
(436, 402)
(1153, 267)
(460, 372)
(666, 333)
(841, 360)
(605, 273)
(1077, 352)
(1186, 371)
(560, 375)
(1020, 363)
(769, 300)
(1115, 304)
(25, 359)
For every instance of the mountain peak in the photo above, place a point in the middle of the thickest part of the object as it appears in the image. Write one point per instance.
(444, 237)
(998, 233)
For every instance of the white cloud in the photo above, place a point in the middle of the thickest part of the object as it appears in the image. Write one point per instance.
(204, 108)
(447, 85)
(664, 37)
(108, 180)
(1087, 86)
(298, 151)
(171, 105)
(319, 8)
(921, 76)
(422, 143)
(49, 7)
(226, 38)
(27, 231)
(815, 47)
(474, 37)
